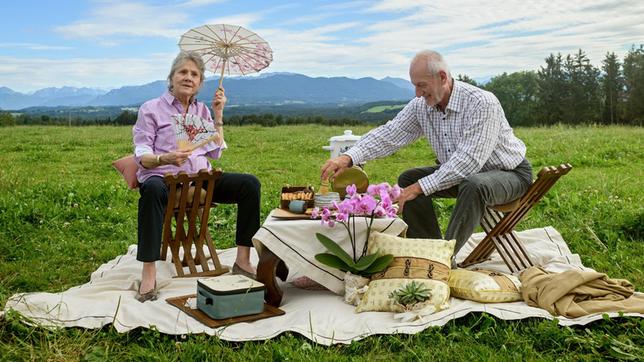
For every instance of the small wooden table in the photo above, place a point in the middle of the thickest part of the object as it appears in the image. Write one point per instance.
(285, 245)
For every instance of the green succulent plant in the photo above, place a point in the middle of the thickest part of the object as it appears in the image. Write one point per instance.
(411, 294)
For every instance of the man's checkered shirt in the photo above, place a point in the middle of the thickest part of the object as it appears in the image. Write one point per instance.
(472, 136)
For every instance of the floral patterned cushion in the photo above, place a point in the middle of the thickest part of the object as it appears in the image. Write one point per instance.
(425, 261)
(484, 286)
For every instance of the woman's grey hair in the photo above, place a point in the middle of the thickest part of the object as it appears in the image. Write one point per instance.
(435, 62)
(181, 58)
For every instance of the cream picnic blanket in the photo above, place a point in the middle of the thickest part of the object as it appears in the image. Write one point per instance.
(321, 316)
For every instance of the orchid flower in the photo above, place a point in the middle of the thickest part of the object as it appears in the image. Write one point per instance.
(351, 190)
(395, 192)
(377, 202)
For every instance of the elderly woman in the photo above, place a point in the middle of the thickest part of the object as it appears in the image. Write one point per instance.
(157, 153)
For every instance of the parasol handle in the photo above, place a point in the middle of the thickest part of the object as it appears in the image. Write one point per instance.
(221, 77)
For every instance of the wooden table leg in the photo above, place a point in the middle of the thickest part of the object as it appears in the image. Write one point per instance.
(268, 267)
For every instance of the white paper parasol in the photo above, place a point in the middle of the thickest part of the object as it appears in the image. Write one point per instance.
(228, 49)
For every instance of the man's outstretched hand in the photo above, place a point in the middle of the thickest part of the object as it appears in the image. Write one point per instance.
(408, 193)
(335, 166)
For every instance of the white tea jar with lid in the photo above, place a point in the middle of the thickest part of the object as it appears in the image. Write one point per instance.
(339, 144)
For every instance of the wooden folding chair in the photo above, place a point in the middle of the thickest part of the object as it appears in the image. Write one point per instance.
(499, 221)
(188, 210)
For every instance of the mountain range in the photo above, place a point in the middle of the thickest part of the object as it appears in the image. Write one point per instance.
(265, 89)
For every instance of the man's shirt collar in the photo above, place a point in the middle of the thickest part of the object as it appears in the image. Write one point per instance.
(455, 103)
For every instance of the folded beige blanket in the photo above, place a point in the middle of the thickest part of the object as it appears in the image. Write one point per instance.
(576, 293)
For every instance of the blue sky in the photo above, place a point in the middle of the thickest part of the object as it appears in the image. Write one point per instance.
(108, 44)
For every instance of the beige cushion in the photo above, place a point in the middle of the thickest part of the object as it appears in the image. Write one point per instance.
(484, 286)
(127, 167)
(426, 261)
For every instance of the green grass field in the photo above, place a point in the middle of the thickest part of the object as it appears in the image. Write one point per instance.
(64, 211)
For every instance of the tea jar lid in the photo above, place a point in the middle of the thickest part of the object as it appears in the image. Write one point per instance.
(347, 136)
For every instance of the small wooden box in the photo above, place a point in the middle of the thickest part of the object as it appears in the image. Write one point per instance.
(290, 193)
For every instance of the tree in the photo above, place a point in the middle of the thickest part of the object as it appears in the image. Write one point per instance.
(551, 90)
(465, 78)
(581, 100)
(517, 93)
(7, 119)
(126, 118)
(568, 91)
(613, 89)
(634, 81)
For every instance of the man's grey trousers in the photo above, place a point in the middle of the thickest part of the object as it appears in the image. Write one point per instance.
(472, 195)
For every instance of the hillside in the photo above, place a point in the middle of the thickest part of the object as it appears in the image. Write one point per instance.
(271, 89)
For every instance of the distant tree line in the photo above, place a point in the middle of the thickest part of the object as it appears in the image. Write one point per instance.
(571, 90)
(271, 120)
(566, 90)
(7, 119)
(129, 118)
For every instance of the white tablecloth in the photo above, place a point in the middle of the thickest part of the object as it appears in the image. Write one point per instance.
(295, 243)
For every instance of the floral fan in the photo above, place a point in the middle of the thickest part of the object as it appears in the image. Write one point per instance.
(193, 131)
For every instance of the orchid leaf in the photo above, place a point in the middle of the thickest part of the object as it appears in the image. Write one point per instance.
(334, 262)
(380, 264)
(366, 261)
(335, 249)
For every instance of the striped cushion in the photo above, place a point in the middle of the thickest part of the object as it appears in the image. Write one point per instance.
(425, 261)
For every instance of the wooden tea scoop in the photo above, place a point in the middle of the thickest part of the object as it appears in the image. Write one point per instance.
(324, 187)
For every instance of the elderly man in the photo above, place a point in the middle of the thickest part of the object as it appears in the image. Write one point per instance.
(480, 160)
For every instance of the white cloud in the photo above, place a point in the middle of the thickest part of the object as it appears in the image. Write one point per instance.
(30, 74)
(316, 51)
(34, 46)
(524, 34)
(344, 6)
(244, 19)
(307, 19)
(248, 19)
(130, 19)
(195, 3)
(397, 5)
(377, 39)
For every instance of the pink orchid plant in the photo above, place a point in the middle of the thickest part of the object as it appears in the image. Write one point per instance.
(377, 202)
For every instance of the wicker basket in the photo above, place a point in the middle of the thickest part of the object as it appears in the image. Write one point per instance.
(289, 193)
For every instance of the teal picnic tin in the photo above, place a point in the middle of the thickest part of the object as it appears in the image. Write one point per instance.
(228, 296)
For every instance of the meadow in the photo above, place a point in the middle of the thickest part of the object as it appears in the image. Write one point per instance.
(64, 211)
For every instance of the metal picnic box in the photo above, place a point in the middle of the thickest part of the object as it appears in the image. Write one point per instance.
(228, 296)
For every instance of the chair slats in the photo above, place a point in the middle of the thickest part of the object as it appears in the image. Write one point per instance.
(499, 222)
(190, 218)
